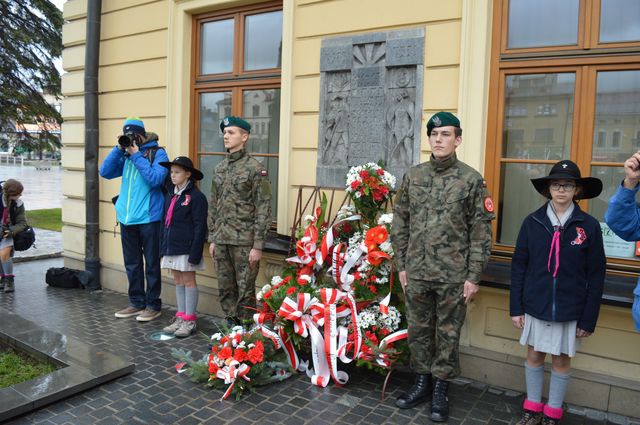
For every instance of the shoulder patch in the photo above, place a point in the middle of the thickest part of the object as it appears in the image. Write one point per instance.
(263, 173)
(484, 183)
(488, 204)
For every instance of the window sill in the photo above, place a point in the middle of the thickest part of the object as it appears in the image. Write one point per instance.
(618, 290)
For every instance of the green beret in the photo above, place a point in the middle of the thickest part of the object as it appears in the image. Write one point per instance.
(235, 122)
(442, 119)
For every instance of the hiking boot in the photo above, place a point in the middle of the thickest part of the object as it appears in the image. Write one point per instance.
(529, 417)
(546, 420)
(8, 284)
(187, 327)
(148, 315)
(418, 393)
(173, 326)
(440, 401)
(129, 312)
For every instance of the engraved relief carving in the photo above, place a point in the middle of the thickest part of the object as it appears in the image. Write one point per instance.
(336, 134)
(400, 122)
(368, 54)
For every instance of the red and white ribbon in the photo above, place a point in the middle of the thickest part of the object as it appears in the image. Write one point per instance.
(231, 373)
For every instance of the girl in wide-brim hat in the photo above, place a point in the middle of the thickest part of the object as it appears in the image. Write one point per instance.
(183, 237)
(557, 277)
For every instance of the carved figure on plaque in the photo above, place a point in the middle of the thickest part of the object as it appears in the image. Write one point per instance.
(400, 120)
(336, 132)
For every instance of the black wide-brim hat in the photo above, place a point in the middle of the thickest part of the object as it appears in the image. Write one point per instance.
(184, 162)
(568, 170)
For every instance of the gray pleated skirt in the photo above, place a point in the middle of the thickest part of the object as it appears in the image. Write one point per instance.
(550, 337)
(180, 263)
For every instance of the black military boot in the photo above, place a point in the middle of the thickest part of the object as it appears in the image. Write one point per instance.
(8, 284)
(3, 281)
(440, 401)
(419, 393)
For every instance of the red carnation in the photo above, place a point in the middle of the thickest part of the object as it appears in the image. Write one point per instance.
(291, 290)
(373, 289)
(355, 184)
(380, 172)
(240, 355)
(364, 174)
(225, 353)
(255, 354)
(267, 295)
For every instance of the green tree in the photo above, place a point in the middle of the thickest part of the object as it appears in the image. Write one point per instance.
(30, 40)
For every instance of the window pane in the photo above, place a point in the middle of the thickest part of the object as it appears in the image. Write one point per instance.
(617, 121)
(538, 116)
(262, 109)
(263, 41)
(216, 50)
(518, 198)
(542, 23)
(611, 178)
(207, 165)
(213, 108)
(619, 21)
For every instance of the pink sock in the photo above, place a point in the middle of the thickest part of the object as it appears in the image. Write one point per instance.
(180, 314)
(189, 318)
(553, 412)
(533, 406)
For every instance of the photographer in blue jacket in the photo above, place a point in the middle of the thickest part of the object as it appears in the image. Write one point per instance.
(623, 216)
(136, 158)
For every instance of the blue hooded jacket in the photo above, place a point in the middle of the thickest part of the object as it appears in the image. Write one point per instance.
(623, 217)
(141, 199)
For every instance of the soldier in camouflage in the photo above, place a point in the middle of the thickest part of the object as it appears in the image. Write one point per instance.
(442, 239)
(239, 217)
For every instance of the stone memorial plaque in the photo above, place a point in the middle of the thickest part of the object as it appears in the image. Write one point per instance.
(370, 103)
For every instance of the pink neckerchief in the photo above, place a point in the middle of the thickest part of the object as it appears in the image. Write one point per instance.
(558, 224)
(178, 192)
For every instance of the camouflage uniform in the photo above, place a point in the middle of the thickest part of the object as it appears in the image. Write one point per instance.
(239, 217)
(442, 236)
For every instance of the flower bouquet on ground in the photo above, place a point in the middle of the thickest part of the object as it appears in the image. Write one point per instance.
(239, 360)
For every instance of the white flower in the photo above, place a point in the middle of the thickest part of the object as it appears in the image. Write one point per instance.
(216, 336)
(266, 288)
(259, 296)
(309, 218)
(385, 219)
(386, 247)
(276, 280)
(357, 194)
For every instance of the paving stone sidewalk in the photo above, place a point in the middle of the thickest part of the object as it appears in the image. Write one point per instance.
(156, 394)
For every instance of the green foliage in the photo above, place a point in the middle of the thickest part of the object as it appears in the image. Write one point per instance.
(30, 40)
(49, 219)
(17, 367)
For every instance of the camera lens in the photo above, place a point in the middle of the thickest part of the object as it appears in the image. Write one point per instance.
(125, 140)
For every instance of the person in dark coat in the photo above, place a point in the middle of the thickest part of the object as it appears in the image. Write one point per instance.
(183, 236)
(14, 221)
(557, 278)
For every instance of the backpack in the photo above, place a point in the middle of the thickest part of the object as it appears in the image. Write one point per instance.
(63, 277)
(24, 240)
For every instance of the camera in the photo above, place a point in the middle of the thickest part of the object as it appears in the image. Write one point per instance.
(128, 139)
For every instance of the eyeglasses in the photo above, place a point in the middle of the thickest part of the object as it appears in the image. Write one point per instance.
(569, 187)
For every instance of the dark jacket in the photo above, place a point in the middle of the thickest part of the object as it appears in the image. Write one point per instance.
(576, 291)
(17, 214)
(188, 230)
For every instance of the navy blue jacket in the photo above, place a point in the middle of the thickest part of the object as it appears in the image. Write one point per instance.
(576, 291)
(188, 230)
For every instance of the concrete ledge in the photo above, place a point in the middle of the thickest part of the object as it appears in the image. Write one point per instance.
(83, 366)
(588, 389)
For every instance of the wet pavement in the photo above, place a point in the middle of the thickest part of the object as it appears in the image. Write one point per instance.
(156, 394)
(42, 187)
